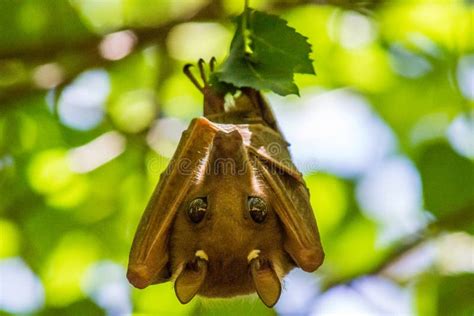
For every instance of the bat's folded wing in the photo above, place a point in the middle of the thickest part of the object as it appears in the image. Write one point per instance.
(290, 199)
(148, 262)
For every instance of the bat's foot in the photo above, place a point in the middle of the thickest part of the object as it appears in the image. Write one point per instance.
(213, 99)
(202, 73)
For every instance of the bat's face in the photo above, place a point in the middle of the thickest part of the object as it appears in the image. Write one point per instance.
(227, 239)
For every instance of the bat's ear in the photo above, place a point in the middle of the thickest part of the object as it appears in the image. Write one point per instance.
(290, 199)
(266, 282)
(148, 262)
(189, 281)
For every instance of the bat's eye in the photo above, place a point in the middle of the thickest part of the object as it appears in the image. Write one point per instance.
(257, 209)
(197, 209)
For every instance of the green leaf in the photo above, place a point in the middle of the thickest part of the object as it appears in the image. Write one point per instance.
(448, 180)
(265, 53)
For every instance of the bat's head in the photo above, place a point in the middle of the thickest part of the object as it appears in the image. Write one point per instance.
(227, 239)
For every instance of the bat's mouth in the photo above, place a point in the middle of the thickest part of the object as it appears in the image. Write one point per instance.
(262, 278)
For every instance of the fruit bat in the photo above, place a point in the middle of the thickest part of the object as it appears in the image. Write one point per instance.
(231, 213)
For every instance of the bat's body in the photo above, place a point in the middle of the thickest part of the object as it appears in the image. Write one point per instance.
(231, 213)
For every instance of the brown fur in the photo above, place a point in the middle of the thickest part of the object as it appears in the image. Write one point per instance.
(227, 234)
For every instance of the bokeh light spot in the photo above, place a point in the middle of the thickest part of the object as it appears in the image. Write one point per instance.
(101, 15)
(334, 131)
(443, 22)
(407, 63)
(71, 195)
(461, 134)
(353, 250)
(165, 135)
(48, 75)
(105, 282)
(429, 127)
(97, 152)
(49, 171)
(328, 199)
(298, 294)
(465, 76)
(342, 300)
(372, 61)
(180, 98)
(356, 30)
(391, 194)
(191, 41)
(117, 45)
(66, 267)
(413, 264)
(365, 296)
(81, 103)
(387, 296)
(134, 111)
(161, 299)
(455, 253)
(10, 239)
(20, 290)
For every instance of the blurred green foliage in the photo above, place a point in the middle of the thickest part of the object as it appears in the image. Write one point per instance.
(92, 103)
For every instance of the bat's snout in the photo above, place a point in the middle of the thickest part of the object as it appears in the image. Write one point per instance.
(139, 276)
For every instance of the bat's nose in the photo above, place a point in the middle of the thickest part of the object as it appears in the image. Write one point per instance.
(139, 276)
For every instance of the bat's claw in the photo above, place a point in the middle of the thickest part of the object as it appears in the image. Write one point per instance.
(212, 63)
(202, 73)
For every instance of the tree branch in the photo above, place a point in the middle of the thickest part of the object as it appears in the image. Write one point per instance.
(90, 57)
(457, 220)
(88, 52)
